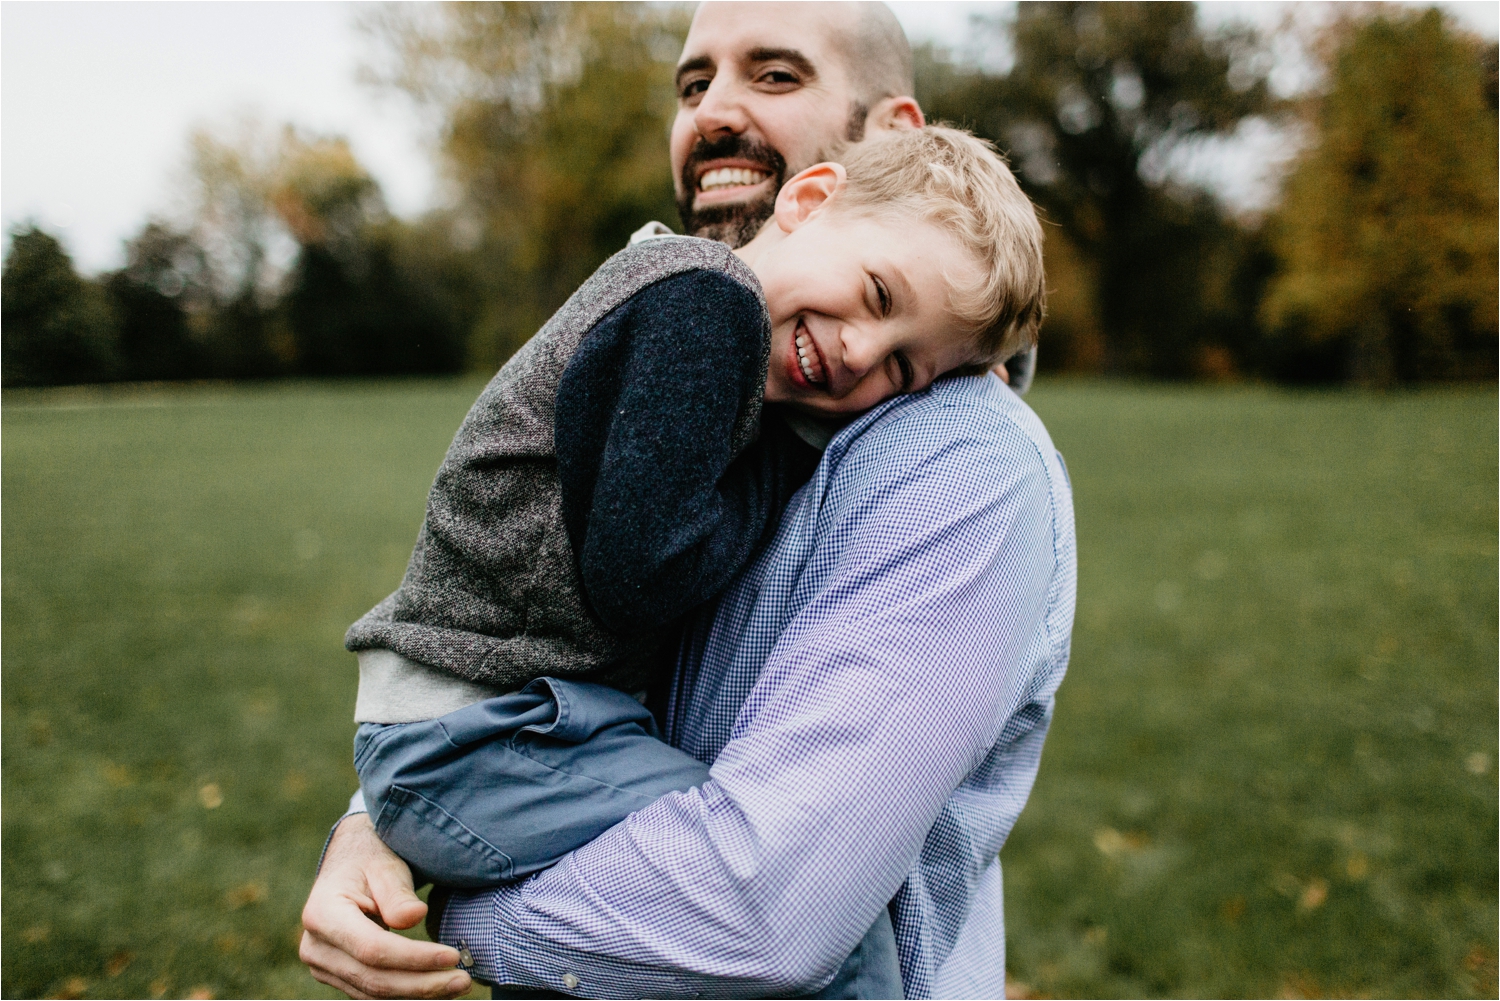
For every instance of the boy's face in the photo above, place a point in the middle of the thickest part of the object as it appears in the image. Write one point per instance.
(860, 310)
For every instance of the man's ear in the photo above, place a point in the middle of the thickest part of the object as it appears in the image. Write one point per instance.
(807, 193)
(896, 113)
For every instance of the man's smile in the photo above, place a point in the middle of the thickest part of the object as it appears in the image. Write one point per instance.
(720, 182)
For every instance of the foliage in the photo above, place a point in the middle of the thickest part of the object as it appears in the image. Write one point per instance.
(1100, 99)
(366, 294)
(1387, 233)
(291, 265)
(56, 326)
(554, 121)
(161, 300)
(1271, 770)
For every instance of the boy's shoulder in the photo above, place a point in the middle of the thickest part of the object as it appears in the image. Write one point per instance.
(655, 253)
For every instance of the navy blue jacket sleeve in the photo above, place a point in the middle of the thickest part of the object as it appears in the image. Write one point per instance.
(661, 515)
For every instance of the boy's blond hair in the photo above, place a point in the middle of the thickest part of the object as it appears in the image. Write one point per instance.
(952, 178)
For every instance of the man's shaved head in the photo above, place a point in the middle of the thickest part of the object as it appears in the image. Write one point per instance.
(876, 55)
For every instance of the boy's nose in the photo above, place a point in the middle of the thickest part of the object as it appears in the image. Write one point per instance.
(861, 352)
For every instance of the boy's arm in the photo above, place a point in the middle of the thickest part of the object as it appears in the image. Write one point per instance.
(660, 512)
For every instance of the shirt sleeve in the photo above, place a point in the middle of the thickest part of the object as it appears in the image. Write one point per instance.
(879, 696)
(660, 511)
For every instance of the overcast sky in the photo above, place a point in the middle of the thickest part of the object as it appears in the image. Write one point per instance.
(96, 99)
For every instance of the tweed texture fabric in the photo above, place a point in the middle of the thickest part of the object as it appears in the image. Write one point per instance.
(492, 592)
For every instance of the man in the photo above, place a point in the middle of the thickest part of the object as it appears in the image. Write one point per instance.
(872, 693)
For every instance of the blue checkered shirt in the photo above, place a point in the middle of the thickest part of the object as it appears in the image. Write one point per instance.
(872, 694)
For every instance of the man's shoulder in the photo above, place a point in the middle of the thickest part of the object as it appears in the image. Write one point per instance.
(978, 417)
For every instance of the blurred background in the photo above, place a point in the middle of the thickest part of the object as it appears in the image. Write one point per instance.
(255, 251)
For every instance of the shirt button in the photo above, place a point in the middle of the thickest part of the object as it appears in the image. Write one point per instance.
(570, 982)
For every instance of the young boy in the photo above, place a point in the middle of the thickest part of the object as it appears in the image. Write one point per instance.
(621, 469)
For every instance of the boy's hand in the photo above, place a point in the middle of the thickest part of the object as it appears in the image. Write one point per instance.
(363, 889)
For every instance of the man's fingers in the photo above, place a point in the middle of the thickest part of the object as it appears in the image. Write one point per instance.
(337, 968)
(397, 901)
(350, 930)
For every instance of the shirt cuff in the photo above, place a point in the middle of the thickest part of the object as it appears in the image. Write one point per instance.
(483, 927)
(356, 805)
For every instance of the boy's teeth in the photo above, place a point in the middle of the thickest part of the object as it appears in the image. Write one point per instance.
(730, 177)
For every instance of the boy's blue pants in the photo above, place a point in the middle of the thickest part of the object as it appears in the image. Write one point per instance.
(504, 788)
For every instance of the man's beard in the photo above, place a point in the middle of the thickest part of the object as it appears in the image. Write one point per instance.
(736, 223)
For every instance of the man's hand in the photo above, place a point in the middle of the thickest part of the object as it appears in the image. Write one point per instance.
(1002, 372)
(363, 889)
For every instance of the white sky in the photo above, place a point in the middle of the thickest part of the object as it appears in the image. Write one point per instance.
(96, 100)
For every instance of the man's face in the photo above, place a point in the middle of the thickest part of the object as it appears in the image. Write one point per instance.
(762, 93)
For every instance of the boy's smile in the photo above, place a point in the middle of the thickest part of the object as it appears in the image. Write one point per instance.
(859, 304)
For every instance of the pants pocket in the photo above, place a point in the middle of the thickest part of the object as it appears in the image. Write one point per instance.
(369, 737)
(439, 845)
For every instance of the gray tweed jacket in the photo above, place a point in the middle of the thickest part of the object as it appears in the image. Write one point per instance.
(492, 593)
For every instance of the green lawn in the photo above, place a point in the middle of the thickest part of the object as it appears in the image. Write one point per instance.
(1272, 770)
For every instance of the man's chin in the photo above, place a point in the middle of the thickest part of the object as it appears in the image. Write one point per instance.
(735, 223)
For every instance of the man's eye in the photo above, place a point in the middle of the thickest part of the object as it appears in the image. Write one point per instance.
(778, 79)
(694, 88)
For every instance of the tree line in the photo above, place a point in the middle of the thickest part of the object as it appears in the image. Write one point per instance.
(1378, 266)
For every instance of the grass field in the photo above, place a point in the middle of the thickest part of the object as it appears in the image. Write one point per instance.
(1272, 770)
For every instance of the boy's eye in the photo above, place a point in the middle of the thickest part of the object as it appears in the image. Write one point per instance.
(883, 295)
(903, 365)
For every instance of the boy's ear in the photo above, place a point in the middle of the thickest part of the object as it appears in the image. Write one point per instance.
(806, 194)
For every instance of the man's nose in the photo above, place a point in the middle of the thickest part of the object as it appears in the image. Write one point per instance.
(721, 111)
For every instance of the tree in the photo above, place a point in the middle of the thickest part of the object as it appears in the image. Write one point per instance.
(161, 301)
(366, 293)
(55, 327)
(1099, 100)
(233, 173)
(1387, 234)
(554, 131)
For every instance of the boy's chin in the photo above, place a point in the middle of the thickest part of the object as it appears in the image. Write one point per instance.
(824, 410)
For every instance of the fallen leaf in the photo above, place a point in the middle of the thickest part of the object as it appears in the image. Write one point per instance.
(202, 993)
(73, 987)
(117, 963)
(159, 987)
(1358, 867)
(1016, 989)
(1314, 894)
(1096, 935)
(119, 776)
(1477, 763)
(36, 933)
(210, 796)
(244, 896)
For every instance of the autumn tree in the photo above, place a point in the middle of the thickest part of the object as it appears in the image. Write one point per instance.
(554, 121)
(1387, 234)
(1099, 100)
(362, 297)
